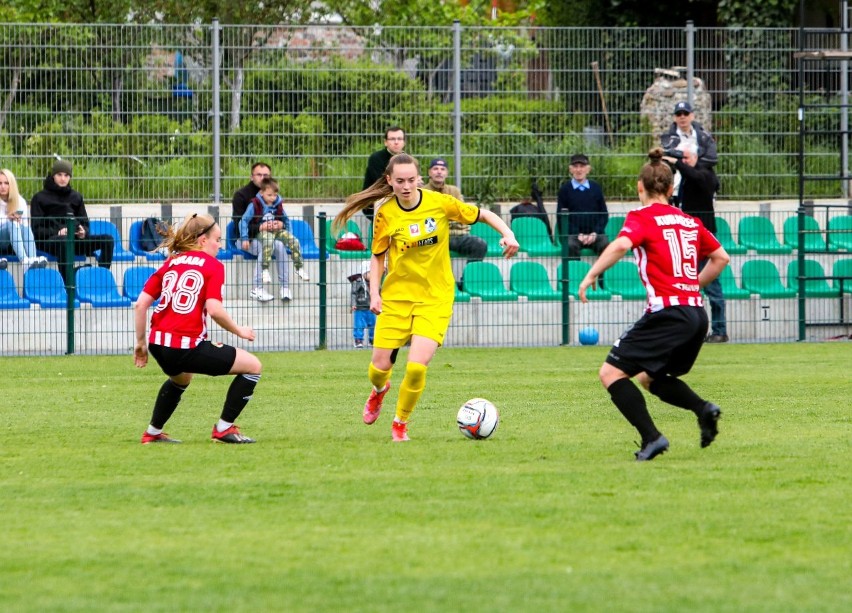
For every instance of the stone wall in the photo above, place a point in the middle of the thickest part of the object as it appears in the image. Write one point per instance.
(669, 88)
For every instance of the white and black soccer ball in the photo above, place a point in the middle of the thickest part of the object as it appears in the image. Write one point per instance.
(477, 418)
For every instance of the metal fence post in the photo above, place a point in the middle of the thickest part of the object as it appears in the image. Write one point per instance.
(70, 281)
(457, 103)
(323, 288)
(562, 233)
(217, 111)
(690, 62)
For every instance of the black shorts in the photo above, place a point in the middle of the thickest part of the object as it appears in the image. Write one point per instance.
(666, 342)
(206, 358)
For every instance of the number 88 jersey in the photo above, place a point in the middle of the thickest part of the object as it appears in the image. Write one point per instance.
(183, 284)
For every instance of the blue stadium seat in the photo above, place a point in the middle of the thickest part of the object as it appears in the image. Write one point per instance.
(9, 298)
(119, 253)
(97, 286)
(135, 239)
(232, 240)
(134, 280)
(301, 230)
(45, 287)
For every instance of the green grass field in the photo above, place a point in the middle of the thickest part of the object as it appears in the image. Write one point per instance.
(326, 514)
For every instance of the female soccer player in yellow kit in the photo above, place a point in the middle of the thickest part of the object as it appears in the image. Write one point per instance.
(411, 230)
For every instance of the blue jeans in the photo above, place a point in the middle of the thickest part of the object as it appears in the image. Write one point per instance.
(19, 237)
(363, 319)
(713, 292)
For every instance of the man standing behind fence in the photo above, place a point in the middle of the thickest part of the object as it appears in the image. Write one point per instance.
(685, 133)
(378, 162)
(697, 195)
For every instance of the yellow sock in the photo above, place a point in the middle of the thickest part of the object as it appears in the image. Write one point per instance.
(378, 378)
(410, 390)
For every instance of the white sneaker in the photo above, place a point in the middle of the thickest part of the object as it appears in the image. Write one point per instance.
(261, 295)
(302, 274)
(36, 262)
(265, 276)
(286, 296)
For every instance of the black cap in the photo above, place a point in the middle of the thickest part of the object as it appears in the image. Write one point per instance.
(579, 158)
(438, 162)
(681, 107)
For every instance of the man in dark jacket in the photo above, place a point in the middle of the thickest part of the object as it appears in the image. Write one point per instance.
(51, 209)
(244, 195)
(685, 131)
(583, 200)
(696, 196)
(378, 161)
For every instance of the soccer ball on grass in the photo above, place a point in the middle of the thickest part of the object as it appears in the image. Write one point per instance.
(477, 418)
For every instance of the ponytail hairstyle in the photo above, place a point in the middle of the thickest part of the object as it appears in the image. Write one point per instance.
(656, 176)
(380, 190)
(184, 237)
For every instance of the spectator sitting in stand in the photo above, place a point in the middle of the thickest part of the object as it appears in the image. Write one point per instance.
(14, 233)
(50, 210)
(462, 241)
(266, 221)
(583, 199)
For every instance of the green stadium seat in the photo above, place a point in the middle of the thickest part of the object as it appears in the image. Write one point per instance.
(532, 235)
(840, 232)
(843, 268)
(483, 279)
(814, 288)
(577, 270)
(758, 233)
(723, 233)
(613, 226)
(813, 242)
(729, 286)
(530, 279)
(491, 237)
(762, 277)
(623, 280)
(331, 239)
(461, 296)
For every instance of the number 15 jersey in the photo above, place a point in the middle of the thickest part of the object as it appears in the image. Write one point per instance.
(668, 244)
(183, 284)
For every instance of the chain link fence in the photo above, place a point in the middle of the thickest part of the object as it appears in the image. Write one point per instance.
(179, 113)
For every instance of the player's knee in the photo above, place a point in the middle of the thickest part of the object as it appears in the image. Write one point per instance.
(415, 374)
(645, 380)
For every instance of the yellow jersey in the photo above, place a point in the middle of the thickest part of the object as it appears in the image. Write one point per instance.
(417, 245)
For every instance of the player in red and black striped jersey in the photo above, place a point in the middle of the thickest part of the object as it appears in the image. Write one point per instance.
(668, 244)
(188, 287)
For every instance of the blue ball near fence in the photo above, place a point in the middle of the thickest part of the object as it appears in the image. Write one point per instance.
(589, 336)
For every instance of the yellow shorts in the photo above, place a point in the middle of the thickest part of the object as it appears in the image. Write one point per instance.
(399, 321)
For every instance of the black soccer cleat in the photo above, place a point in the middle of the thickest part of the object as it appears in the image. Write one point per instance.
(231, 435)
(708, 422)
(652, 449)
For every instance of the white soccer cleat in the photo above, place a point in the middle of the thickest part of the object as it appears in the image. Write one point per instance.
(302, 274)
(286, 296)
